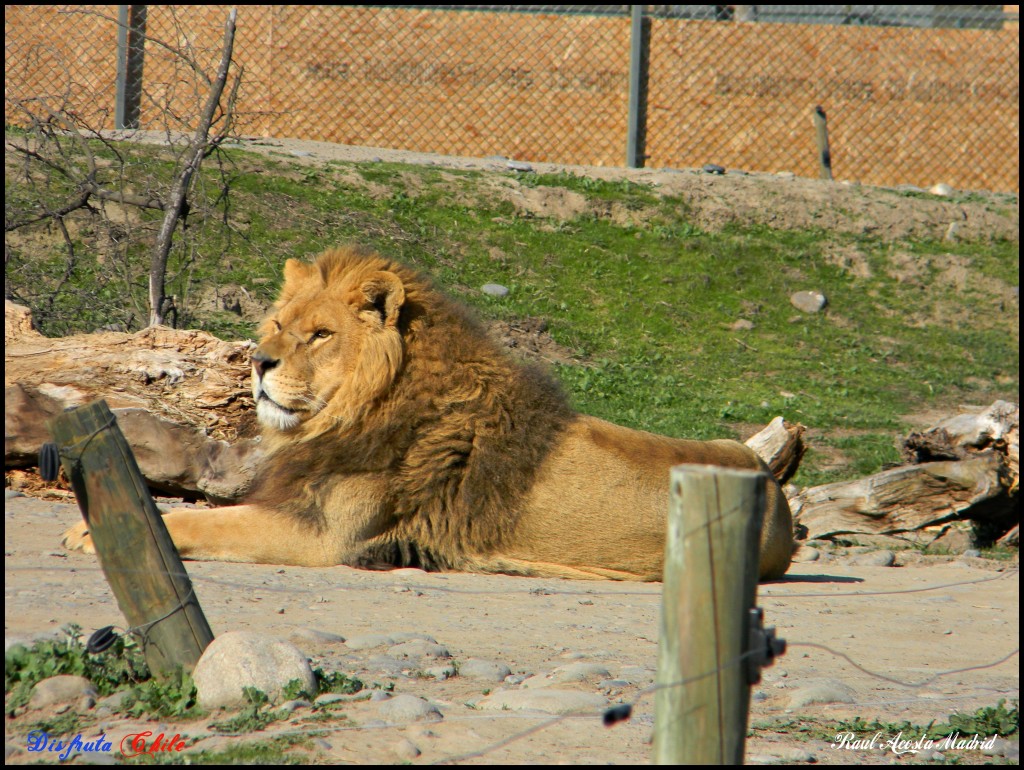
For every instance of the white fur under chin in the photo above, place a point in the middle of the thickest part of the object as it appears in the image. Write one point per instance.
(273, 416)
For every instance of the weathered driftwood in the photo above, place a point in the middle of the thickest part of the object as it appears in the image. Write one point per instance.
(959, 437)
(903, 499)
(181, 399)
(189, 377)
(781, 446)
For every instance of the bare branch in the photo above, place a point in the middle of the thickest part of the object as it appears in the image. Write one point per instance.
(176, 201)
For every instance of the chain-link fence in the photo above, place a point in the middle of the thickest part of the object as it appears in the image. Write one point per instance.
(913, 94)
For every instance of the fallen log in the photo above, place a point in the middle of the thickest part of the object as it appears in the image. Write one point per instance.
(967, 434)
(907, 498)
(780, 444)
(181, 398)
(188, 377)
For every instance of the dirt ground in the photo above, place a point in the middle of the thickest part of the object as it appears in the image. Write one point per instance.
(881, 637)
(778, 200)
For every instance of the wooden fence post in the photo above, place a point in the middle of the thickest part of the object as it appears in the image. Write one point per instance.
(134, 548)
(710, 585)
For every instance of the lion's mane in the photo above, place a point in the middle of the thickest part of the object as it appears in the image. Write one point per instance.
(458, 427)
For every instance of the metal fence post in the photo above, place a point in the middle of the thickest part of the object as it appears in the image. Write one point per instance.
(131, 41)
(637, 86)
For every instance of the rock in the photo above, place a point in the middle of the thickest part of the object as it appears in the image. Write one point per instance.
(290, 707)
(712, 168)
(239, 659)
(547, 700)
(327, 698)
(369, 641)
(874, 559)
(484, 670)
(419, 648)
(821, 691)
(112, 703)
(942, 189)
(794, 755)
(808, 301)
(406, 749)
(805, 554)
(62, 690)
(408, 708)
(519, 165)
(315, 635)
(742, 325)
(441, 673)
(573, 672)
(385, 664)
(494, 290)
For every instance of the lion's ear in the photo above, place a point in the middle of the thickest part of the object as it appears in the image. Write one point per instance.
(384, 294)
(296, 273)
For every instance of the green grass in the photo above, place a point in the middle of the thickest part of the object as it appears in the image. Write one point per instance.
(644, 296)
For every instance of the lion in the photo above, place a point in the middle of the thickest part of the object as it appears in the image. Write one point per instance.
(397, 433)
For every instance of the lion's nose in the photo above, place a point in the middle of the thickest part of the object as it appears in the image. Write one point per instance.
(263, 363)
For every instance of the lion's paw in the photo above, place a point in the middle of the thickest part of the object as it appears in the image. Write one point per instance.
(78, 539)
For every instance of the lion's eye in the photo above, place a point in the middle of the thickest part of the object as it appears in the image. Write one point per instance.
(321, 334)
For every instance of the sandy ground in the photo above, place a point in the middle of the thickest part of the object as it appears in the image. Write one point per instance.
(890, 634)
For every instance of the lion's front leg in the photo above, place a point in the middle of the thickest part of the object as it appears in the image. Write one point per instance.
(241, 533)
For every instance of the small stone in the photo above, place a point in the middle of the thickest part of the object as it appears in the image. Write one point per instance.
(712, 168)
(314, 635)
(573, 672)
(292, 706)
(328, 698)
(519, 165)
(302, 154)
(808, 301)
(494, 290)
(62, 690)
(806, 554)
(406, 749)
(821, 691)
(408, 708)
(874, 559)
(369, 641)
(794, 755)
(440, 673)
(547, 700)
(419, 648)
(742, 325)
(484, 670)
(942, 189)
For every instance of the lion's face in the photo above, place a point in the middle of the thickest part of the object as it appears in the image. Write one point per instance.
(329, 348)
